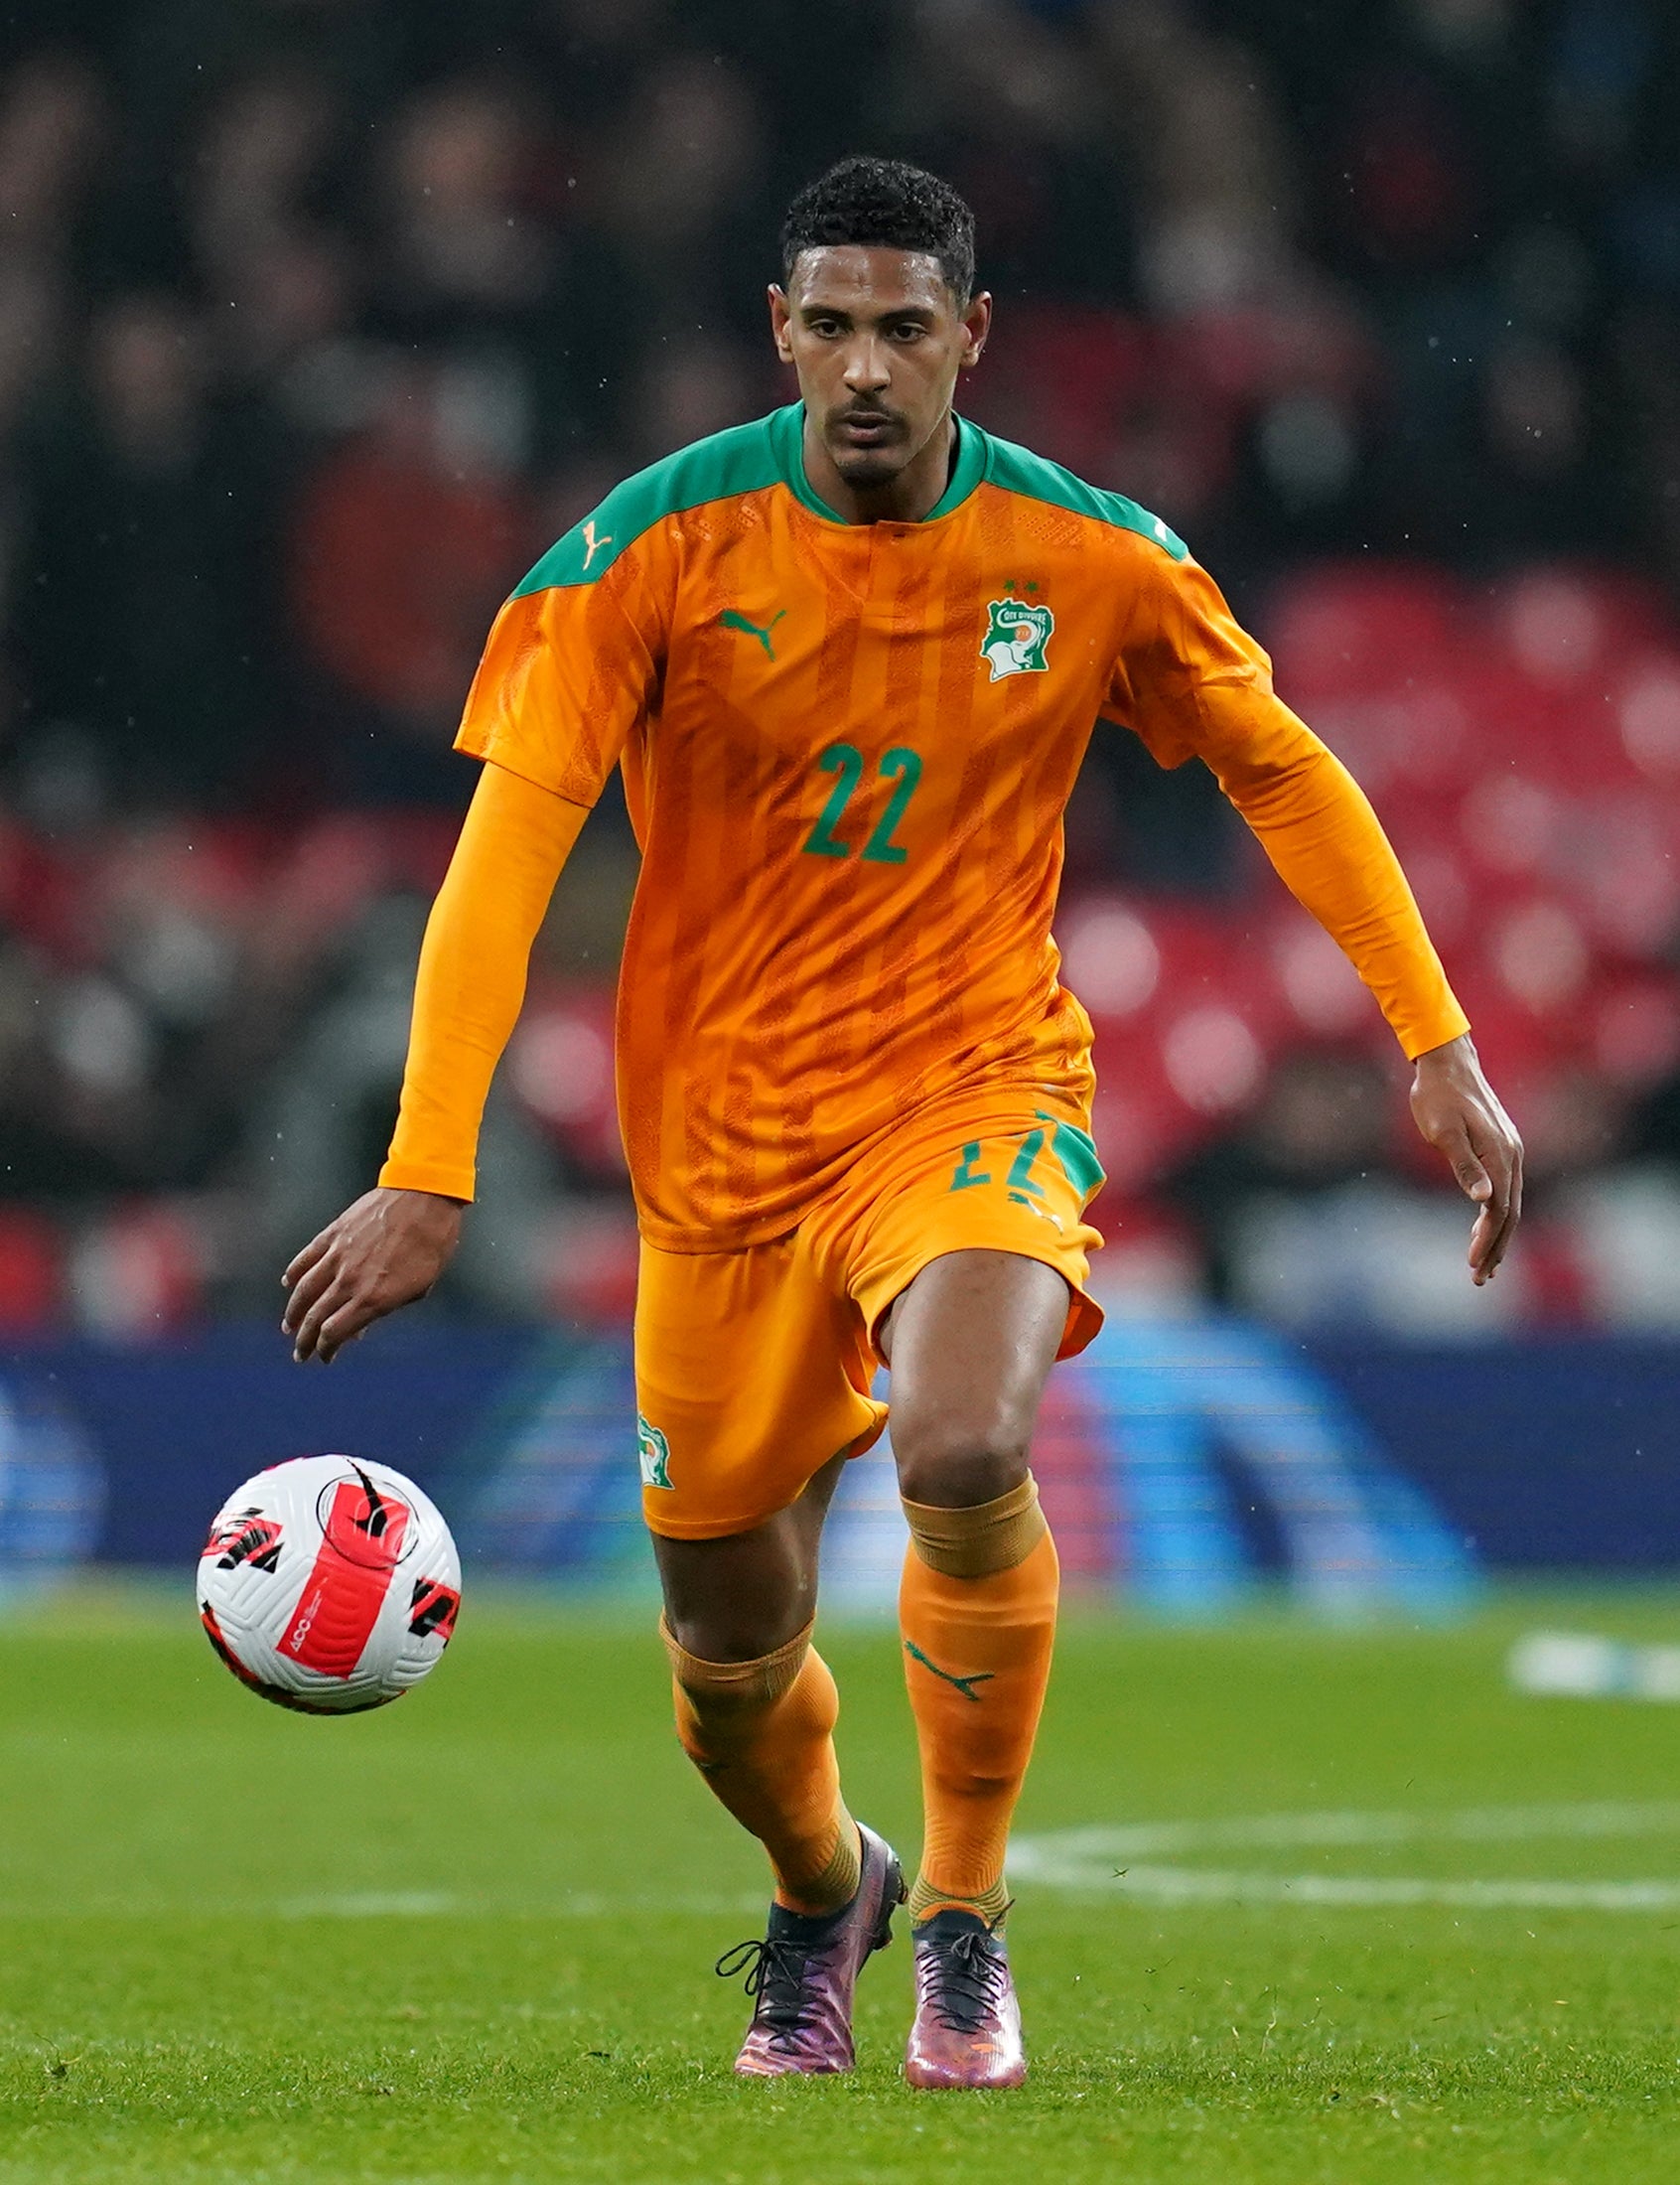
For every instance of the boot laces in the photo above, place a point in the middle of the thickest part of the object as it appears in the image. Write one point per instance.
(774, 1978)
(967, 1980)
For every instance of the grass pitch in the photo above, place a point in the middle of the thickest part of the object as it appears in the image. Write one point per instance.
(471, 1937)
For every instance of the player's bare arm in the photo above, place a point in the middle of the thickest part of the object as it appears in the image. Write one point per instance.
(1458, 1113)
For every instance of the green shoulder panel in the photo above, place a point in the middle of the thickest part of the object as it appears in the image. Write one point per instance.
(1020, 471)
(742, 460)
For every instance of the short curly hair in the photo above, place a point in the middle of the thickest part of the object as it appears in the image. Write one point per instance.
(884, 202)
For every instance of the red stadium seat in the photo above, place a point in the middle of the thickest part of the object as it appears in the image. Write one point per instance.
(1636, 1029)
(140, 1272)
(560, 1067)
(31, 1270)
(1319, 993)
(1109, 955)
(1561, 625)
(1646, 709)
(1060, 374)
(1361, 629)
(1538, 952)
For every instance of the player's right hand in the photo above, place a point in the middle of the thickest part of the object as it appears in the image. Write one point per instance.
(384, 1251)
(1459, 1112)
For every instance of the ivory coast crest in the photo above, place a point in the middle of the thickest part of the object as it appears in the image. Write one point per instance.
(655, 1452)
(1016, 637)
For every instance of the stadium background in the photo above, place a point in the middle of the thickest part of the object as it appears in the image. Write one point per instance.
(317, 321)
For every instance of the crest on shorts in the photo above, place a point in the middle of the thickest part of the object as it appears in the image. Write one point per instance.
(655, 1451)
(1016, 637)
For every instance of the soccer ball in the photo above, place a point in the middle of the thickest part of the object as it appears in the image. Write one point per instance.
(329, 1585)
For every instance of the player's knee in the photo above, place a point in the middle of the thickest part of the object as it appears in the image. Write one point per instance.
(726, 1662)
(954, 1460)
(983, 1539)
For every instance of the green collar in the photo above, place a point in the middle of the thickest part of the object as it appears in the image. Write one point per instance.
(788, 428)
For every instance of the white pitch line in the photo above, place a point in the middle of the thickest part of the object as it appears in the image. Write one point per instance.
(1208, 1885)
(371, 1904)
(1476, 1823)
(1083, 1860)
(1086, 1860)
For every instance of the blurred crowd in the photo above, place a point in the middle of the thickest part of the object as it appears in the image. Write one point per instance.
(319, 319)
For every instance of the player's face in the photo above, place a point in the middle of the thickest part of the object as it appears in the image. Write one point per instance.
(877, 339)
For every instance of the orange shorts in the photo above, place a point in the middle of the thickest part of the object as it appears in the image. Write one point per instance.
(754, 1368)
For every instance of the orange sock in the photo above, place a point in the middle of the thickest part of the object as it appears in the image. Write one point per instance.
(977, 1613)
(761, 1733)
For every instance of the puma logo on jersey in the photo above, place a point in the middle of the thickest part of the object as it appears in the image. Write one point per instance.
(592, 543)
(733, 618)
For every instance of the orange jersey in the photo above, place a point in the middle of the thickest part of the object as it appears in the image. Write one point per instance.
(847, 750)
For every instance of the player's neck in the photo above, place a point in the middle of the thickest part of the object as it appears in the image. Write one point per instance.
(907, 498)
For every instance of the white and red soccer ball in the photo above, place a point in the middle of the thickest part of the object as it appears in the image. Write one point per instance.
(329, 1584)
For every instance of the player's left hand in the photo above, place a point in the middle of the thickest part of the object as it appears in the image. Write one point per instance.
(1459, 1112)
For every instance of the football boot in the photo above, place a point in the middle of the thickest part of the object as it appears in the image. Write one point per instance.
(967, 2028)
(802, 1976)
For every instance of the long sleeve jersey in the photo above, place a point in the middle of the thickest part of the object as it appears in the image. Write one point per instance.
(847, 750)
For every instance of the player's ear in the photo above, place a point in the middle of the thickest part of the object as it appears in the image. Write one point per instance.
(780, 315)
(976, 325)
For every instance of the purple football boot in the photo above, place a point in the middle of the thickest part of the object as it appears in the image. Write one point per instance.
(802, 1974)
(967, 2029)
